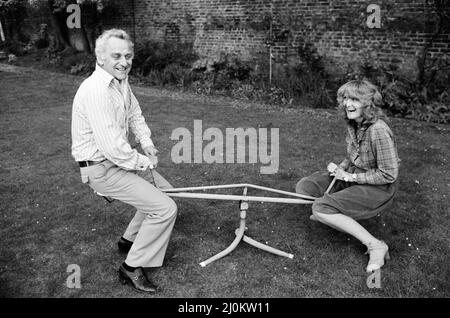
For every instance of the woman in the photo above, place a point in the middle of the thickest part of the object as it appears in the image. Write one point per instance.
(366, 180)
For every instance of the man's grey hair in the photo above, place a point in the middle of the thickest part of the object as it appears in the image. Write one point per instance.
(100, 43)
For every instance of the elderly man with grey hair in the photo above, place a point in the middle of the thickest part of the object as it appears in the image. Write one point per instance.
(104, 111)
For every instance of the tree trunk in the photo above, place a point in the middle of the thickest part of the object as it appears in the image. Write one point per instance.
(62, 42)
(2, 35)
(86, 45)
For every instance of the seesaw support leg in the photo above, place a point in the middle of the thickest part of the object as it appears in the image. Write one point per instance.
(265, 247)
(229, 249)
(240, 236)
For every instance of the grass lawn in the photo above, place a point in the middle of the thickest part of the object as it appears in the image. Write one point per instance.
(49, 219)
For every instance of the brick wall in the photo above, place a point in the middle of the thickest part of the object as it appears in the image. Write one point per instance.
(336, 28)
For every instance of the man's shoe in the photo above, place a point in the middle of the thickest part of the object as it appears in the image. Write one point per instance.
(137, 280)
(124, 245)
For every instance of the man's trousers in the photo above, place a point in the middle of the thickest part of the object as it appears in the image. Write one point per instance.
(152, 225)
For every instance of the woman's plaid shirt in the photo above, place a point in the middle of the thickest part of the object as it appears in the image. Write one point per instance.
(372, 149)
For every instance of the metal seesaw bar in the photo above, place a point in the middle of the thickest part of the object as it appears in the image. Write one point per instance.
(240, 185)
(230, 197)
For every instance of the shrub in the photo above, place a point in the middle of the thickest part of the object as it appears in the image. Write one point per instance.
(156, 56)
(226, 74)
(163, 63)
(306, 81)
(77, 63)
(223, 70)
(15, 47)
(41, 43)
(172, 74)
(405, 98)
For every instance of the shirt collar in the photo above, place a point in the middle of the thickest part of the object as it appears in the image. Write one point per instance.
(105, 76)
(357, 132)
(362, 126)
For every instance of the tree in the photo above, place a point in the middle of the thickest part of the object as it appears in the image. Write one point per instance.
(59, 16)
(13, 11)
(57, 11)
(59, 27)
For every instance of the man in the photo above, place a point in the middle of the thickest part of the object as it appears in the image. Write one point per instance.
(104, 109)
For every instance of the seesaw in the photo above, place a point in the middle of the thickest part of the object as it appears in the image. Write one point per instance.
(244, 200)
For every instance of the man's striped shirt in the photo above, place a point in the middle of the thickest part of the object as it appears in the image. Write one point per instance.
(103, 110)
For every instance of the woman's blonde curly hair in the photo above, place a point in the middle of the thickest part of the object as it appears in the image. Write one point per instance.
(369, 96)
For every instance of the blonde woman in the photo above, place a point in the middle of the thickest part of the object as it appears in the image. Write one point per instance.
(366, 180)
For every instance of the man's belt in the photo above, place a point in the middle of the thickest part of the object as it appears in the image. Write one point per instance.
(83, 164)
